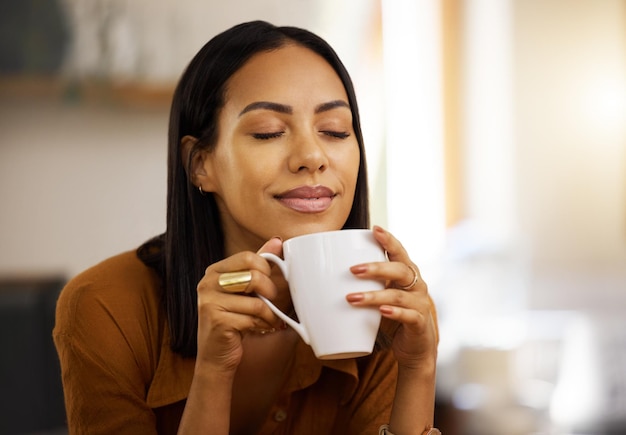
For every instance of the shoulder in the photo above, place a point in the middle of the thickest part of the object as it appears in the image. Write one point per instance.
(122, 268)
(108, 333)
(109, 317)
(118, 288)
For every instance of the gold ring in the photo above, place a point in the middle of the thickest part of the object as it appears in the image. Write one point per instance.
(235, 282)
(415, 278)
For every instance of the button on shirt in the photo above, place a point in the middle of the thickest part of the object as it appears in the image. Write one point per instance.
(280, 415)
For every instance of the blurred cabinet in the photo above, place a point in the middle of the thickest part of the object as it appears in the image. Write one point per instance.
(31, 394)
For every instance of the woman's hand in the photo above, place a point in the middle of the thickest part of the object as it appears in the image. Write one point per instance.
(405, 300)
(224, 317)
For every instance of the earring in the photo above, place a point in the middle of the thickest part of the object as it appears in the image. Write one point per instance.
(201, 191)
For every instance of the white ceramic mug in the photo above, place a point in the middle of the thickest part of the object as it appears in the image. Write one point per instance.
(317, 268)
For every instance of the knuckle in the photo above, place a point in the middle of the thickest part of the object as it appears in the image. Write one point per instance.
(202, 287)
(257, 306)
(248, 257)
(399, 297)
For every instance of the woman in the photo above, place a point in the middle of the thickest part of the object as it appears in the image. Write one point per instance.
(264, 144)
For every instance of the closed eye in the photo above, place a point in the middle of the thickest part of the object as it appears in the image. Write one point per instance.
(267, 136)
(336, 134)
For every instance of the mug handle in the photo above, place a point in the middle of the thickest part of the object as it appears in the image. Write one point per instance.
(298, 327)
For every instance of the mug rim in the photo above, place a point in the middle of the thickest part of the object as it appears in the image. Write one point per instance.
(303, 236)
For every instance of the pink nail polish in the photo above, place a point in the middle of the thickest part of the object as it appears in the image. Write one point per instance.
(386, 310)
(354, 297)
(358, 269)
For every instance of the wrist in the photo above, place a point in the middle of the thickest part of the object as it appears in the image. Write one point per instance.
(426, 364)
(213, 374)
(426, 370)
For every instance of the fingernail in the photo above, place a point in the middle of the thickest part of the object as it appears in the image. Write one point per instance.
(355, 297)
(386, 310)
(358, 269)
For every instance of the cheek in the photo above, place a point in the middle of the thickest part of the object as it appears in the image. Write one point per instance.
(249, 179)
(352, 161)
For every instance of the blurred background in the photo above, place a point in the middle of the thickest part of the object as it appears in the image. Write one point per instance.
(496, 139)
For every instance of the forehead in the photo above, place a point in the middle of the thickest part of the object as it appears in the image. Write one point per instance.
(291, 72)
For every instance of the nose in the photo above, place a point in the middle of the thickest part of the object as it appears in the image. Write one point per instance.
(307, 154)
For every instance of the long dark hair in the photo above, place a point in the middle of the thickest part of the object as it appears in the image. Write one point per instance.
(194, 238)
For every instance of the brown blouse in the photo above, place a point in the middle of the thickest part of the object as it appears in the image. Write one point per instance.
(120, 376)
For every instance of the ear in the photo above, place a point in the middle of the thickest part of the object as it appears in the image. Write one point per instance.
(197, 167)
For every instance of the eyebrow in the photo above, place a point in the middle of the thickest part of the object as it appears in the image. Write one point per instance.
(283, 108)
(267, 105)
(325, 107)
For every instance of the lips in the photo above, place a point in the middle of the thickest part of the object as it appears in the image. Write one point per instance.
(307, 199)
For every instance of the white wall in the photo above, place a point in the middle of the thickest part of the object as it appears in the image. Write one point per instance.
(78, 183)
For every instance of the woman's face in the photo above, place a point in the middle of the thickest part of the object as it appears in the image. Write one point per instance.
(287, 159)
